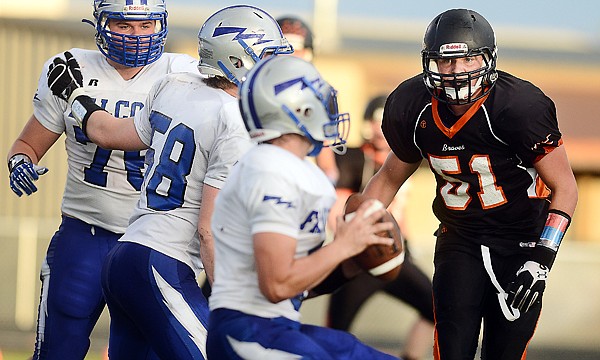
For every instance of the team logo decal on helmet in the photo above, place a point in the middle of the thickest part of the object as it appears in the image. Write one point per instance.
(235, 38)
(287, 95)
(241, 35)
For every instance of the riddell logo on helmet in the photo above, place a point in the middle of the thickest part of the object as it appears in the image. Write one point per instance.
(454, 48)
(128, 8)
(257, 134)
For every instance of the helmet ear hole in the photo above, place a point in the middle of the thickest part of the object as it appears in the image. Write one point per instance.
(235, 37)
(287, 95)
(236, 62)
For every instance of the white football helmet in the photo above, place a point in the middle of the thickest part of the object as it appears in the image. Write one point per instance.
(287, 95)
(233, 39)
(130, 50)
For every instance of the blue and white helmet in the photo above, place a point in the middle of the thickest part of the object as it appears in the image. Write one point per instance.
(287, 95)
(233, 39)
(131, 50)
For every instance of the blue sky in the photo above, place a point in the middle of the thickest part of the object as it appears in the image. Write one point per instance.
(575, 15)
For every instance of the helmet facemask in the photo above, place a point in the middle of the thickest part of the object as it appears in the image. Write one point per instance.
(454, 34)
(130, 50)
(463, 87)
(334, 132)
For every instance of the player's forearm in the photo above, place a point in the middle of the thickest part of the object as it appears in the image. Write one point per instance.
(323, 261)
(304, 274)
(109, 132)
(565, 200)
(555, 171)
(207, 247)
(21, 147)
(385, 183)
(207, 254)
(101, 127)
(34, 141)
(379, 187)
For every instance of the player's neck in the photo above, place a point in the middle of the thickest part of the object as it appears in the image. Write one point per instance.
(294, 143)
(233, 91)
(459, 110)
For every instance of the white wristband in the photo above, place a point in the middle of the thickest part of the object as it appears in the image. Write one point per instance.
(75, 94)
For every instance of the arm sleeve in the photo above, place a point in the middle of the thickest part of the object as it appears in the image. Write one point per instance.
(398, 129)
(47, 108)
(231, 142)
(273, 203)
(531, 126)
(142, 120)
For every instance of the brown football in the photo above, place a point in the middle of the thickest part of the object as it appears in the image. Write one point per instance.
(381, 261)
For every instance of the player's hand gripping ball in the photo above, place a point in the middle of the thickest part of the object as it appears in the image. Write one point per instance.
(381, 261)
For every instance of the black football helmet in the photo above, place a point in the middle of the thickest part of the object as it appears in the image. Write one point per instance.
(293, 25)
(459, 33)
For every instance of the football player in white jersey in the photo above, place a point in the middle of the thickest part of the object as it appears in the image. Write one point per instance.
(192, 126)
(102, 186)
(269, 223)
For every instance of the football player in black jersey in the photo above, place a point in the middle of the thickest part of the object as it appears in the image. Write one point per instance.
(505, 190)
(412, 286)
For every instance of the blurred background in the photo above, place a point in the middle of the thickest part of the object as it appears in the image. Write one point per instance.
(363, 48)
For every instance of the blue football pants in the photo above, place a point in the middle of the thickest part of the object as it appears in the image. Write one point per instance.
(156, 306)
(233, 335)
(71, 299)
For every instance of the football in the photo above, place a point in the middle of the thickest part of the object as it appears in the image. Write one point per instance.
(381, 261)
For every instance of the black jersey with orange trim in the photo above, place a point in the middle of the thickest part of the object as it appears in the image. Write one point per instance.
(483, 161)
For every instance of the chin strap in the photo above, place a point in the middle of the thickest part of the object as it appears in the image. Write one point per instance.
(509, 312)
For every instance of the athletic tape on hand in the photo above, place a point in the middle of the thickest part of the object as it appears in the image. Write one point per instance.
(375, 206)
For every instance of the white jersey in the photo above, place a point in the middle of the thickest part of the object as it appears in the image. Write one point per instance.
(269, 190)
(196, 134)
(102, 185)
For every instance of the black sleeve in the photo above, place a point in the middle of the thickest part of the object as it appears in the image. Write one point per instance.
(530, 124)
(399, 117)
(351, 166)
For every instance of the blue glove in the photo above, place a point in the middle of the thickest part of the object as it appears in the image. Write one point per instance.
(528, 286)
(23, 173)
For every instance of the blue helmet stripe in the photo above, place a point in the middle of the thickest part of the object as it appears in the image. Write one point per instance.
(133, 2)
(251, 106)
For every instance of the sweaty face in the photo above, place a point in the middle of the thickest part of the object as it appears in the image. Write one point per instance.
(460, 66)
(131, 27)
(458, 74)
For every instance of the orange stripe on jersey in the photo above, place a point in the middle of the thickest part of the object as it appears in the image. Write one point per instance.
(436, 348)
(450, 132)
(541, 190)
(436, 345)
(547, 150)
